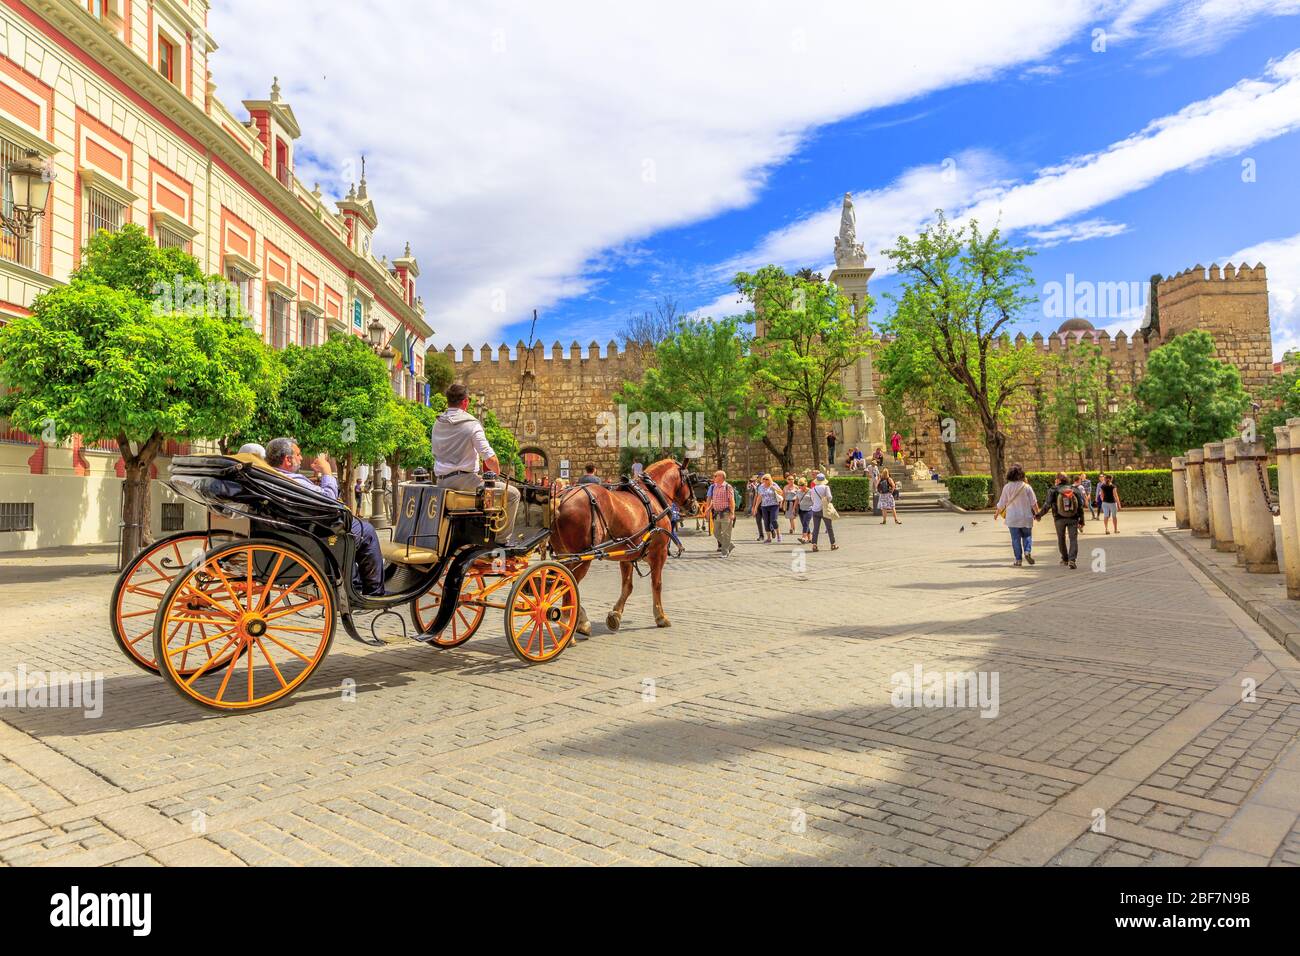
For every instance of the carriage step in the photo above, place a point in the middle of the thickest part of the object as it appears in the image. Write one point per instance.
(528, 544)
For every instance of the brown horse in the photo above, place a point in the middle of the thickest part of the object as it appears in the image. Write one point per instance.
(621, 515)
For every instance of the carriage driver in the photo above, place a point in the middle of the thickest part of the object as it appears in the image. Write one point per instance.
(458, 444)
(284, 455)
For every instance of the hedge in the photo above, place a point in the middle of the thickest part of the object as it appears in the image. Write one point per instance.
(1150, 487)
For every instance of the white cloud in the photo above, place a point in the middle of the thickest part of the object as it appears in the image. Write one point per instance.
(1250, 112)
(513, 144)
(1080, 231)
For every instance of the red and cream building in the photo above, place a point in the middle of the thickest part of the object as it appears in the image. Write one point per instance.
(115, 96)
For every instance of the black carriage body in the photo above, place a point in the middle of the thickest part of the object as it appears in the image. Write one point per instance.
(448, 527)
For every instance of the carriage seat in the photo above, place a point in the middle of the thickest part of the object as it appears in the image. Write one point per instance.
(421, 532)
(246, 485)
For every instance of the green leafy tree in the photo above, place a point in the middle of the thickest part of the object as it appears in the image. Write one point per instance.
(337, 398)
(270, 417)
(1187, 397)
(701, 367)
(962, 292)
(808, 337)
(439, 372)
(108, 357)
(917, 394)
(1085, 374)
(1280, 400)
(503, 442)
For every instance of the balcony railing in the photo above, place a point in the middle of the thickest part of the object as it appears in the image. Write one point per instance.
(285, 175)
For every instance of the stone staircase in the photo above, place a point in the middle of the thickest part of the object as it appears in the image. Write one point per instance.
(920, 495)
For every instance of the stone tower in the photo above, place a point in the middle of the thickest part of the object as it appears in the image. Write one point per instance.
(865, 427)
(1232, 305)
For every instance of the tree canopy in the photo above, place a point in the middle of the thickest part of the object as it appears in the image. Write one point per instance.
(1187, 397)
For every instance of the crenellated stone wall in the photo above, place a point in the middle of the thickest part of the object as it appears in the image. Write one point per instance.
(559, 393)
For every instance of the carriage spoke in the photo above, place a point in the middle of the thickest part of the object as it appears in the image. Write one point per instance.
(189, 681)
(275, 670)
(200, 643)
(273, 639)
(270, 580)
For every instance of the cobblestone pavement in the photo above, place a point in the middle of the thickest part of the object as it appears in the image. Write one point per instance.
(758, 729)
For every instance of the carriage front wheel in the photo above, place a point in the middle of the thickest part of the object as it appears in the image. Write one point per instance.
(464, 620)
(542, 612)
(263, 607)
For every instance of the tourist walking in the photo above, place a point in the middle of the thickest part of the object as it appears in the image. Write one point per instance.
(1108, 495)
(805, 511)
(750, 504)
(769, 504)
(790, 496)
(1084, 484)
(1067, 509)
(830, 448)
(1018, 504)
(885, 488)
(896, 444)
(823, 511)
(722, 506)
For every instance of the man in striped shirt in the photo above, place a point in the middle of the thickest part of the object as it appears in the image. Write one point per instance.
(722, 502)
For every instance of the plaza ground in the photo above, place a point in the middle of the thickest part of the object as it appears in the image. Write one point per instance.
(758, 729)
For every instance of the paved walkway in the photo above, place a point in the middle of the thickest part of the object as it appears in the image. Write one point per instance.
(758, 729)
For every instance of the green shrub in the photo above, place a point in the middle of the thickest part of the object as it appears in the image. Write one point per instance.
(1272, 479)
(851, 493)
(1151, 487)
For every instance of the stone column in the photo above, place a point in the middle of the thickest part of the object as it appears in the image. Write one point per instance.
(1220, 514)
(1258, 539)
(1292, 517)
(1198, 503)
(1235, 492)
(1286, 491)
(1179, 468)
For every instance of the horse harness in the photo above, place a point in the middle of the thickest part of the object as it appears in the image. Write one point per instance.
(621, 547)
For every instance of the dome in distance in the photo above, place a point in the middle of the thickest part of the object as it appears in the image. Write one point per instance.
(1075, 325)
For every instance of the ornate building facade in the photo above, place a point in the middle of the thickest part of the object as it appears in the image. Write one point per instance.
(115, 98)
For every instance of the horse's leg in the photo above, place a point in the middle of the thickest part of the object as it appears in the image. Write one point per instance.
(657, 560)
(615, 617)
(584, 625)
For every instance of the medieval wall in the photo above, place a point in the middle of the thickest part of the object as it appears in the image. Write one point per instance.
(561, 397)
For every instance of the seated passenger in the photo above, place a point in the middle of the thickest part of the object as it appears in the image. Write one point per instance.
(253, 448)
(284, 455)
(458, 444)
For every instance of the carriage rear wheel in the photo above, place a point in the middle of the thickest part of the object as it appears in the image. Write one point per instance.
(140, 588)
(266, 611)
(542, 612)
(464, 620)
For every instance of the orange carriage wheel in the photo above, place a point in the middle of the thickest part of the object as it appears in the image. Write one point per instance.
(140, 588)
(464, 620)
(266, 610)
(542, 612)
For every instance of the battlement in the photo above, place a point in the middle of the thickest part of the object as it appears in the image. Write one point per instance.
(1229, 279)
(502, 355)
(1118, 348)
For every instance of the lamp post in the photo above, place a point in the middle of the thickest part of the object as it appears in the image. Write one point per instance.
(28, 183)
(378, 497)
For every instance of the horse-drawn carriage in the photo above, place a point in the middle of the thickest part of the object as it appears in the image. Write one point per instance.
(236, 622)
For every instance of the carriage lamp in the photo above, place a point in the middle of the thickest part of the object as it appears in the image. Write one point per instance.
(28, 183)
(376, 330)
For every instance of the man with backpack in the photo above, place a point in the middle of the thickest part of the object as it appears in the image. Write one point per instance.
(1067, 505)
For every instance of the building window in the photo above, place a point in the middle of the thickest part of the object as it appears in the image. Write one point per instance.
(102, 212)
(27, 251)
(309, 328)
(17, 516)
(279, 321)
(244, 283)
(167, 239)
(166, 58)
(173, 516)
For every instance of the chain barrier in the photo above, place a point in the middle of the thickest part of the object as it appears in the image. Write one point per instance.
(1263, 486)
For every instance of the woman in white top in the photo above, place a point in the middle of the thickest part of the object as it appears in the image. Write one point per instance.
(1018, 504)
(821, 496)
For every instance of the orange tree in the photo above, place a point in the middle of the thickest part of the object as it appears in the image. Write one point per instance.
(139, 347)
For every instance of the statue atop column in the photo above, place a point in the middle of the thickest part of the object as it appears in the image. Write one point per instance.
(849, 253)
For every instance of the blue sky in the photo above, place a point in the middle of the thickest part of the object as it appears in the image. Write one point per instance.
(584, 160)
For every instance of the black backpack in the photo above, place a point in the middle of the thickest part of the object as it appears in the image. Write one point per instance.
(883, 486)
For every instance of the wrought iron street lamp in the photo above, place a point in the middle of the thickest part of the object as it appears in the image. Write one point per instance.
(27, 182)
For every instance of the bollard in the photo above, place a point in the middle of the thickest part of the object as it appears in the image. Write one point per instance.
(1198, 498)
(1232, 476)
(1259, 541)
(1286, 501)
(1216, 481)
(1179, 475)
(1293, 517)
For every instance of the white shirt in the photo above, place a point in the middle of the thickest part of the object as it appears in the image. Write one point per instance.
(458, 442)
(820, 493)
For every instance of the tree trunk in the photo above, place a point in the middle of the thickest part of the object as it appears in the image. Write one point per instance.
(720, 450)
(783, 455)
(394, 462)
(347, 472)
(996, 443)
(816, 437)
(136, 535)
